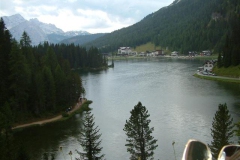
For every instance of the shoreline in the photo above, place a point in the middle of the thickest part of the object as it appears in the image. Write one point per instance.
(217, 78)
(166, 56)
(50, 120)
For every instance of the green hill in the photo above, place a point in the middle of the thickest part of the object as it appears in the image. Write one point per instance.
(82, 39)
(187, 25)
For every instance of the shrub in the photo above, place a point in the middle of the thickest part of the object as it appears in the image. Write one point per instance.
(64, 114)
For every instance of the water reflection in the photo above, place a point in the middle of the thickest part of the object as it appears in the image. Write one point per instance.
(48, 138)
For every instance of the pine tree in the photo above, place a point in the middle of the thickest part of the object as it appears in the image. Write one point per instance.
(227, 53)
(60, 83)
(222, 129)
(25, 40)
(140, 143)
(39, 103)
(6, 136)
(219, 63)
(49, 89)
(90, 138)
(19, 78)
(237, 131)
(5, 49)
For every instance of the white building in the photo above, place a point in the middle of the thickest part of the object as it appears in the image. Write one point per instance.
(174, 53)
(208, 66)
(207, 53)
(124, 51)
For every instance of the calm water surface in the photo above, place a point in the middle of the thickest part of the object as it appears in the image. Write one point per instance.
(181, 107)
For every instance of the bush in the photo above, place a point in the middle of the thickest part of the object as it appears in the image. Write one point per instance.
(88, 102)
(64, 114)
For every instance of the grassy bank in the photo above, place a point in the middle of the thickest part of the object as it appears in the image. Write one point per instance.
(233, 71)
(214, 78)
(146, 47)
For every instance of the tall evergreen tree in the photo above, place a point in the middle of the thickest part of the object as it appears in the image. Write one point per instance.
(50, 59)
(219, 62)
(5, 49)
(6, 138)
(140, 143)
(227, 53)
(222, 129)
(90, 139)
(39, 93)
(60, 83)
(25, 40)
(19, 78)
(49, 89)
(237, 131)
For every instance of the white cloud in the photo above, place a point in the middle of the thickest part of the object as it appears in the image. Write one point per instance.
(89, 15)
(72, 1)
(18, 1)
(93, 21)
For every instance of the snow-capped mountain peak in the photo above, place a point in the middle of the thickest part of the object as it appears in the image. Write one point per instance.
(12, 21)
(47, 28)
(37, 31)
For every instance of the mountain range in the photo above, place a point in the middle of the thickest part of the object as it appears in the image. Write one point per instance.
(37, 31)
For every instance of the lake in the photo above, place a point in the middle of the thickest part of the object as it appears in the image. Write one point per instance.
(181, 107)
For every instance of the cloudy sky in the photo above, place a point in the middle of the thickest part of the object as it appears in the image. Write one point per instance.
(94, 16)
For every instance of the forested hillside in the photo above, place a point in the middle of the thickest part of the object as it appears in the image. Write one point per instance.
(82, 39)
(185, 26)
(230, 55)
(39, 81)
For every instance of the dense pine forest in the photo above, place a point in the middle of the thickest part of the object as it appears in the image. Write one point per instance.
(187, 25)
(40, 81)
(230, 55)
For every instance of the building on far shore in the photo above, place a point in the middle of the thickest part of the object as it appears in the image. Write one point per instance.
(122, 51)
(206, 53)
(160, 52)
(174, 53)
(208, 66)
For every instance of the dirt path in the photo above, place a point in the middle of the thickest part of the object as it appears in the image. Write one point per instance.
(41, 122)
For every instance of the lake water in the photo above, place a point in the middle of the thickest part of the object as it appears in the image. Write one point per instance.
(181, 107)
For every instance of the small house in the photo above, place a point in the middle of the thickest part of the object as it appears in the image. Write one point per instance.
(124, 51)
(208, 66)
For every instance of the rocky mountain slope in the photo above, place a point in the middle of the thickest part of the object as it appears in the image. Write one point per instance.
(38, 31)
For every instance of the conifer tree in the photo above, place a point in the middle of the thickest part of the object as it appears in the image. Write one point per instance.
(222, 129)
(49, 89)
(90, 139)
(5, 49)
(60, 83)
(6, 137)
(140, 143)
(19, 78)
(25, 40)
(219, 63)
(237, 131)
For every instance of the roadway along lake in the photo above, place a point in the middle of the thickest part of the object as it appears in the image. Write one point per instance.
(181, 107)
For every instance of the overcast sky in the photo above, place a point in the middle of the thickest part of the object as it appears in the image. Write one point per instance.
(94, 16)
